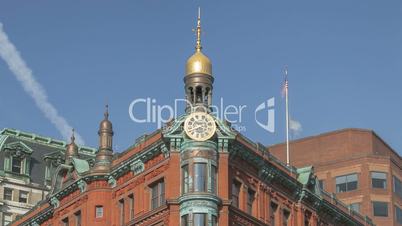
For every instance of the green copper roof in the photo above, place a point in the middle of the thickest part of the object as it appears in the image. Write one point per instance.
(304, 174)
(41, 139)
(80, 165)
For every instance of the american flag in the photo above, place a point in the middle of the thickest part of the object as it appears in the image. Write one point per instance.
(286, 83)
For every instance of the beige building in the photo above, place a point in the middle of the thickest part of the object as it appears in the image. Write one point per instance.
(27, 163)
(357, 167)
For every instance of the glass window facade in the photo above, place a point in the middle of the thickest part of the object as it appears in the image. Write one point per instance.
(346, 183)
(380, 209)
(200, 177)
(7, 218)
(378, 180)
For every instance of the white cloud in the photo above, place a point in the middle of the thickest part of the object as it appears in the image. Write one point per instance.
(295, 126)
(24, 75)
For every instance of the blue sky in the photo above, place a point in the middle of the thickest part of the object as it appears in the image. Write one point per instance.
(344, 61)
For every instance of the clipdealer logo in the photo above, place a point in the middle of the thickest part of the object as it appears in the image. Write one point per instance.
(148, 110)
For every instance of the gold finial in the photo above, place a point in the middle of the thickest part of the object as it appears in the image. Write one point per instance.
(106, 111)
(198, 46)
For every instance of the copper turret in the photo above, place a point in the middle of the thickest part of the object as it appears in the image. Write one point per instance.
(71, 150)
(104, 155)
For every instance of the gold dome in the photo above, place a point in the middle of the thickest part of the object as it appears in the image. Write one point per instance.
(198, 63)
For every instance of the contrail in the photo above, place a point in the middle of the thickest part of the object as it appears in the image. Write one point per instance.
(24, 75)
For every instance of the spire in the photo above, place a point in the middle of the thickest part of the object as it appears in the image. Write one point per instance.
(71, 150)
(104, 155)
(198, 46)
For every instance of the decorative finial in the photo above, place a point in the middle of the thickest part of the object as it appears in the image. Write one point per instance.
(72, 136)
(198, 46)
(107, 111)
(285, 70)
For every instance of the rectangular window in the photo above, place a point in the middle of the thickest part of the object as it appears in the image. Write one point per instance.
(285, 217)
(346, 183)
(355, 207)
(321, 184)
(200, 179)
(16, 165)
(65, 222)
(200, 219)
(23, 197)
(184, 220)
(397, 187)
(398, 215)
(380, 209)
(250, 201)
(7, 218)
(213, 179)
(235, 193)
(99, 211)
(121, 212)
(131, 205)
(157, 194)
(8, 194)
(272, 212)
(78, 218)
(379, 180)
(185, 179)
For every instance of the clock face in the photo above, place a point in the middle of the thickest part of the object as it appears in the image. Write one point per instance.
(200, 126)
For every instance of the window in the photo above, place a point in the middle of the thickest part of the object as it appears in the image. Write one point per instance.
(8, 194)
(346, 183)
(355, 207)
(121, 211)
(380, 209)
(65, 222)
(285, 216)
(250, 201)
(77, 218)
(23, 197)
(131, 205)
(200, 219)
(397, 187)
(185, 179)
(184, 220)
(398, 215)
(235, 193)
(99, 211)
(200, 182)
(379, 180)
(272, 212)
(158, 194)
(7, 218)
(214, 220)
(213, 178)
(16, 165)
(321, 184)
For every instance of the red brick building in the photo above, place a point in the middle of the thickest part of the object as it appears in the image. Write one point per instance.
(357, 167)
(196, 171)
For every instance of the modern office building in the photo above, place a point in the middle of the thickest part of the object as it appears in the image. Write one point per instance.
(27, 163)
(357, 167)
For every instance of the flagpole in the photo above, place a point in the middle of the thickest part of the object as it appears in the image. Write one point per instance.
(287, 117)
